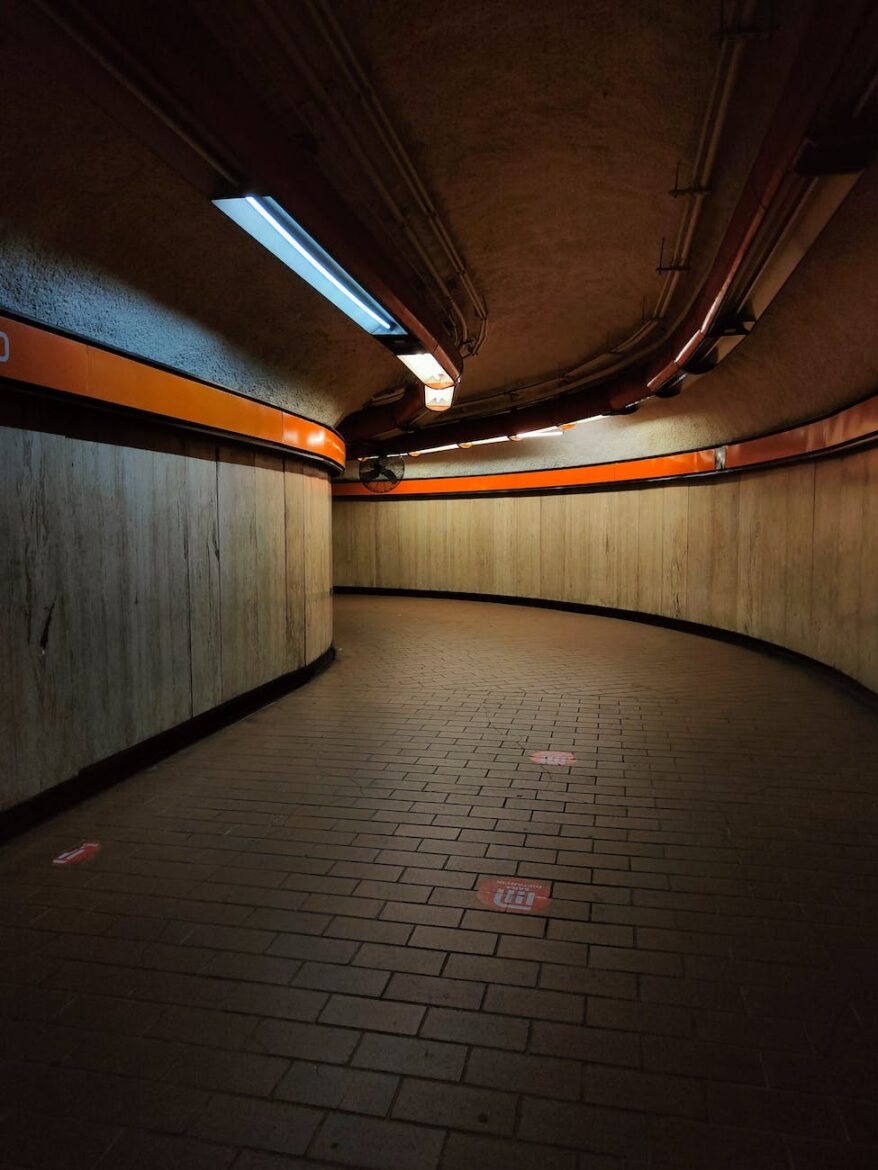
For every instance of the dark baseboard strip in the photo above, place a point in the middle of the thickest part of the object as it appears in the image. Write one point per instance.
(105, 773)
(838, 678)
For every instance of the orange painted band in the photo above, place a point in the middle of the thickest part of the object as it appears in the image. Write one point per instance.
(847, 426)
(39, 358)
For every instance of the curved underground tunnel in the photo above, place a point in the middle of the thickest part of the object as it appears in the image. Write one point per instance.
(439, 628)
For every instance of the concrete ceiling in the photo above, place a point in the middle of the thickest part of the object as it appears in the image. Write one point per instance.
(548, 141)
(511, 156)
(812, 353)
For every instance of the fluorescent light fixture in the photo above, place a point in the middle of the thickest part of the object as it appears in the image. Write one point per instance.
(482, 442)
(591, 418)
(433, 450)
(268, 223)
(427, 370)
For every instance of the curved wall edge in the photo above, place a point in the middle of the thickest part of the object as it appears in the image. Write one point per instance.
(855, 424)
(787, 554)
(37, 356)
(105, 773)
(152, 575)
(698, 629)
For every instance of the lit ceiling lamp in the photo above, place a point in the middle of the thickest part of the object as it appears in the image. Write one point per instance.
(544, 433)
(433, 450)
(268, 223)
(438, 384)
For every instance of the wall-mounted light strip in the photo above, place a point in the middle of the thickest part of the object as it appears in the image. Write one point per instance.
(845, 429)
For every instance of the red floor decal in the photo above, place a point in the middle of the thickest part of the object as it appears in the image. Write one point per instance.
(514, 895)
(85, 852)
(560, 759)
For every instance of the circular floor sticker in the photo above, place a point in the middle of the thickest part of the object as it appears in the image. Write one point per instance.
(559, 759)
(514, 895)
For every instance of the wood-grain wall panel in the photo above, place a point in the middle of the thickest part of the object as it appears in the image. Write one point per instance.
(317, 562)
(788, 555)
(713, 550)
(140, 586)
(252, 569)
(203, 565)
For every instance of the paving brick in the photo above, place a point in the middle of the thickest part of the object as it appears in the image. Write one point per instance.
(460, 1106)
(584, 1127)
(409, 959)
(135, 1150)
(429, 877)
(421, 915)
(492, 970)
(663, 1019)
(304, 1041)
(320, 950)
(107, 1014)
(536, 1075)
(202, 1026)
(646, 1092)
(331, 1087)
(584, 981)
(492, 1031)
(369, 930)
(377, 1145)
(400, 891)
(466, 1151)
(535, 1004)
(469, 942)
(331, 977)
(400, 1054)
(443, 992)
(648, 962)
(589, 1044)
(288, 1003)
(231, 1072)
(383, 1015)
(251, 968)
(712, 906)
(265, 1125)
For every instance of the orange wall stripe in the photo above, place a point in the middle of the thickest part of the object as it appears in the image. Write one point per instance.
(848, 426)
(857, 422)
(691, 463)
(40, 358)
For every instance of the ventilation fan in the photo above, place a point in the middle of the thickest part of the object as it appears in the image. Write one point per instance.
(382, 473)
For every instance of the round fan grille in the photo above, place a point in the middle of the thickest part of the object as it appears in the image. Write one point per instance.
(382, 473)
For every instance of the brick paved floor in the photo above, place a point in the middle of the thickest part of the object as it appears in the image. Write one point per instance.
(279, 958)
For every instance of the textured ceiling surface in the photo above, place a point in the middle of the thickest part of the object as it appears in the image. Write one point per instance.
(548, 140)
(101, 238)
(551, 144)
(524, 162)
(812, 353)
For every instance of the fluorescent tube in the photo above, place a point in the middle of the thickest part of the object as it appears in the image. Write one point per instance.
(427, 370)
(268, 223)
